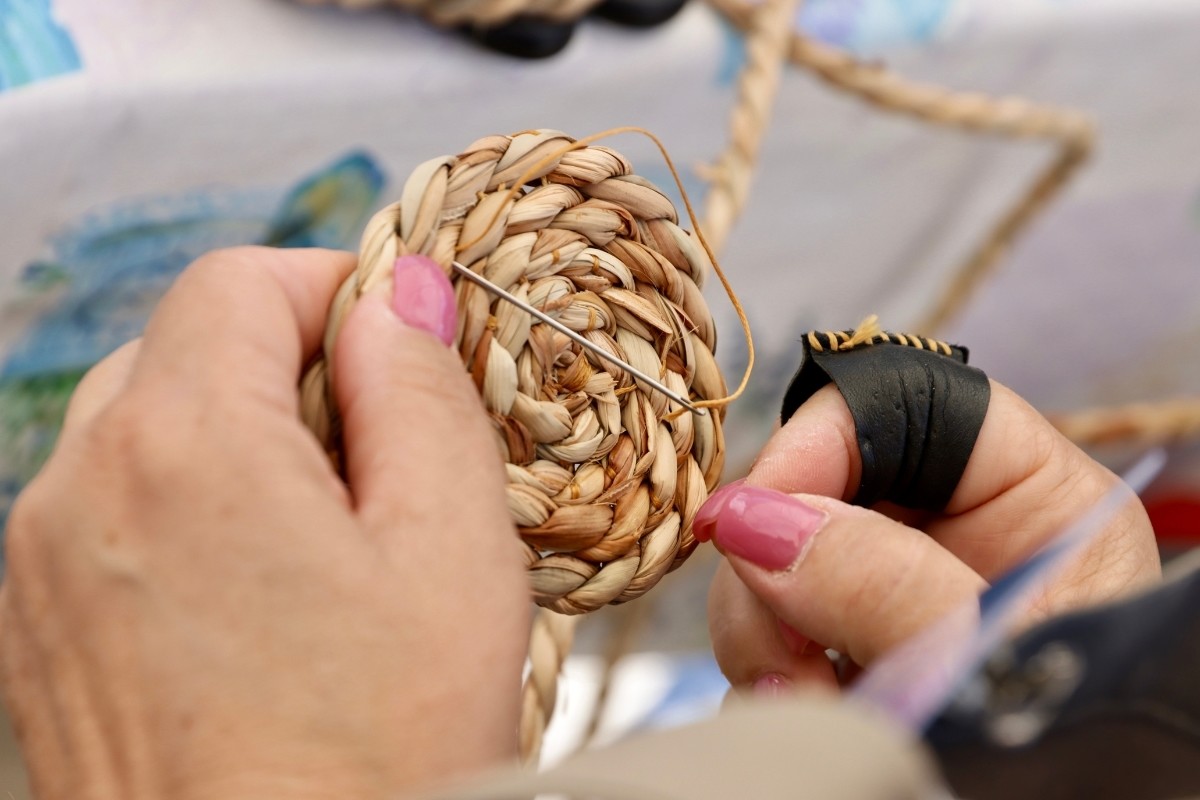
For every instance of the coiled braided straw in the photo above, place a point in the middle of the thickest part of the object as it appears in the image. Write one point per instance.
(605, 474)
(1146, 424)
(474, 12)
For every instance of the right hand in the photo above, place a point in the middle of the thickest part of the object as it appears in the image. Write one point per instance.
(803, 567)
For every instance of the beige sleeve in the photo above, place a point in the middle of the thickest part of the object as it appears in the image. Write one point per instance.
(811, 747)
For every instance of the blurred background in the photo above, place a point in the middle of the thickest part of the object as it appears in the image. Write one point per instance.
(136, 135)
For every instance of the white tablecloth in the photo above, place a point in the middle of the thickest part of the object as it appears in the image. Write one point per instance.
(137, 134)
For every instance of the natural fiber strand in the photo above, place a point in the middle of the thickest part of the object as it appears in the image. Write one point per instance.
(550, 642)
(1144, 424)
(628, 624)
(972, 273)
(767, 45)
(1006, 116)
(539, 166)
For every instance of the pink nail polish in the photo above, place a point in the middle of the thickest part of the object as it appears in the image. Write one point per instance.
(706, 517)
(772, 685)
(765, 527)
(424, 298)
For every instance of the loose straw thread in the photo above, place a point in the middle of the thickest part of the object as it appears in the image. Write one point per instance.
(769, 22)
(734, 300)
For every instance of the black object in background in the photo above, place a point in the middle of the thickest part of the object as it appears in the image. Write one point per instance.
(639, 13)
(534, 37)
(526, 37)
(1102, 703)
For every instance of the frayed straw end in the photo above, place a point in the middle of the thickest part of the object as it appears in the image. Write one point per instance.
(867, 330)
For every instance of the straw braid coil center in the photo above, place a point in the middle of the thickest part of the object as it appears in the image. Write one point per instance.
(605, 475)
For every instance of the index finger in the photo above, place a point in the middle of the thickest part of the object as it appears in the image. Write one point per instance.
(1023, 482)
(243, 320)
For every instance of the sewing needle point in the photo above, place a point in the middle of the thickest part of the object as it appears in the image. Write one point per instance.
(575, 337)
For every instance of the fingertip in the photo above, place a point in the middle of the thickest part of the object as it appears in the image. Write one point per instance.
(748, 642)
(769, 529)
(815, 452)
(376, 351)
(772, 685)
(856, 580)
(706, 518)
(423, 297)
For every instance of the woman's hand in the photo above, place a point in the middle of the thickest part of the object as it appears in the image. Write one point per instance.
(803, 568)
(197, 607)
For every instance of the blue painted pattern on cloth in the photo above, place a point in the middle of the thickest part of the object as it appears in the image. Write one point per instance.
(102, 276)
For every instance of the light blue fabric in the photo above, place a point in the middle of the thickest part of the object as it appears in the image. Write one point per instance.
(33, 46)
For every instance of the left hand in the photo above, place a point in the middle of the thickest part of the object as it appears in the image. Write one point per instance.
(197, 607)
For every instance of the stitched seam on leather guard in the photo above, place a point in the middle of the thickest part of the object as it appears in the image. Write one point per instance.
(915, 461)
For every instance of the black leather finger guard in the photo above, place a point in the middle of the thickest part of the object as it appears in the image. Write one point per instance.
(917, 410)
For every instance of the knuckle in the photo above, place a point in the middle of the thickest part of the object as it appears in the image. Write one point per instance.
(103, 374)
(228, 258)
(27, 520)
(141, 436)
(224, 275)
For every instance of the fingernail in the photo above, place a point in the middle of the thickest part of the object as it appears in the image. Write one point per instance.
(772, 685)
(766, 527)
(424, 298)
(706, 517)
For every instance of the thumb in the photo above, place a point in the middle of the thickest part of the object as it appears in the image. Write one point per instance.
(415, 432)
(848, 577)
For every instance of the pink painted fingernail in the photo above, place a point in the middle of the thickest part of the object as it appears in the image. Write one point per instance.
(772, 685)
(765, 527)
(706, 517)
(424, 298)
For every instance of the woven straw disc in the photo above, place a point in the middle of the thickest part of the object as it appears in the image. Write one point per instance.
(604, 479)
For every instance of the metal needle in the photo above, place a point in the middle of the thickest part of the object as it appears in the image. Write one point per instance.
(575, 337)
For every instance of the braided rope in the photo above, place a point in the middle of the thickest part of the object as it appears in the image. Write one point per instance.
(1006, 116)
(1146, 424)
(474, 12)
(767, 45)
(550, 642)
